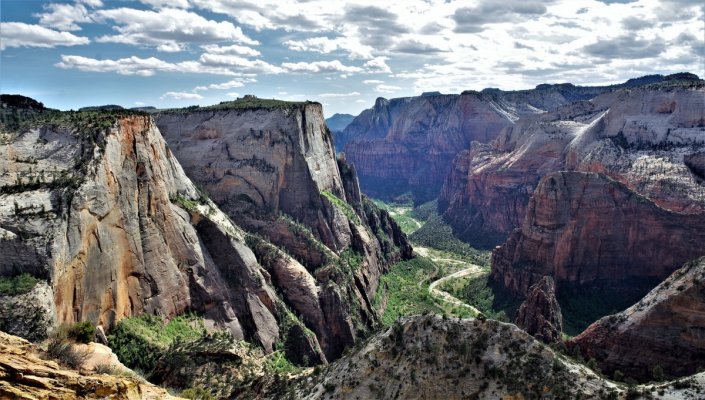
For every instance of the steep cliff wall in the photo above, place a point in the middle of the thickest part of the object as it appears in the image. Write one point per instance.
(586, 229)
(273, 171)
(408, 144)
(98, 205)
(647, 137)
(664, 329)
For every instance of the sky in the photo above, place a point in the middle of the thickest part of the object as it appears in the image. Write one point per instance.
(344, 54)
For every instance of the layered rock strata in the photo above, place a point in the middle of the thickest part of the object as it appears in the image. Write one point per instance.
(648, 137)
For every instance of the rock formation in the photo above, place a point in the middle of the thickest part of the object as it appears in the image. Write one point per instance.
(666, 328)
(27, 373)
(647, 137)
(540, 314)
(337, 124)
(408, 144)
(585, 229)
(96, 204)
(635, 153)
(427, 357)
(273, 171)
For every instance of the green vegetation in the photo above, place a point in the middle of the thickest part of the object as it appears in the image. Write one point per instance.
(197, 393)
(16, 285)
(437, 234)
(582, 308)
(403, 215)
(140, 341)
(343, 206)
(185, 203)
(81, 332)
(245, 103)
(481, 292)
(277, 363)
(405, 289)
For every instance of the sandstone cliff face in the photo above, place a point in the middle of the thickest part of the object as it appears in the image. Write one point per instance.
(408, 144)
(646, 137)
(92, 212)
(587, 229)
(664, 329)
(274, 172)
(540, 314)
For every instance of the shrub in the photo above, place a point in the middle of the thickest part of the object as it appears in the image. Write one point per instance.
(16, 285)
(197, 393)
(64, 351)
(82, 332)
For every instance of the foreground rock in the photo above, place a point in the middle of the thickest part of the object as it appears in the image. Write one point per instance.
(27, 373)
(665, 329)
(427, 357)
(540, 314)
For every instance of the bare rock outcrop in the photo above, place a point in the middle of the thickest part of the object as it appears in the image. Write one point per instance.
(96, 204)
(408, 144)
(666, 328)
(540, 314)
(27, 373)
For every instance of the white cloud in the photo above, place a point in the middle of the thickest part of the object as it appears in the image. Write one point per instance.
(377, 65)
(372, 81)
(339, 95)
(167, 3)
(360, 101)
(168, 29)
(181, 96)
(387, 89)
(233, 94)
(240, 63)
(139, 103)
(235, 83)
(64, 16)
(19, 34)
(232, 49)
(324, 45)
(320, 66)
(138, 66)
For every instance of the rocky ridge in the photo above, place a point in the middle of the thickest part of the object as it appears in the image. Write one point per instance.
(408, 144)
(664, 329)
(27, 373)
(431, 357)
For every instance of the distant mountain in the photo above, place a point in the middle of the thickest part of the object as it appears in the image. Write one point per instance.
(102, 108)
(407, 144)
(338, 122)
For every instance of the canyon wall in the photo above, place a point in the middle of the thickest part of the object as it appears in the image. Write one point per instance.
(274, 172)
(408, 144)
(666, 329)
(96, 204)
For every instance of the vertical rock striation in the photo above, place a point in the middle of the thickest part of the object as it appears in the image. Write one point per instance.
(273, 170)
